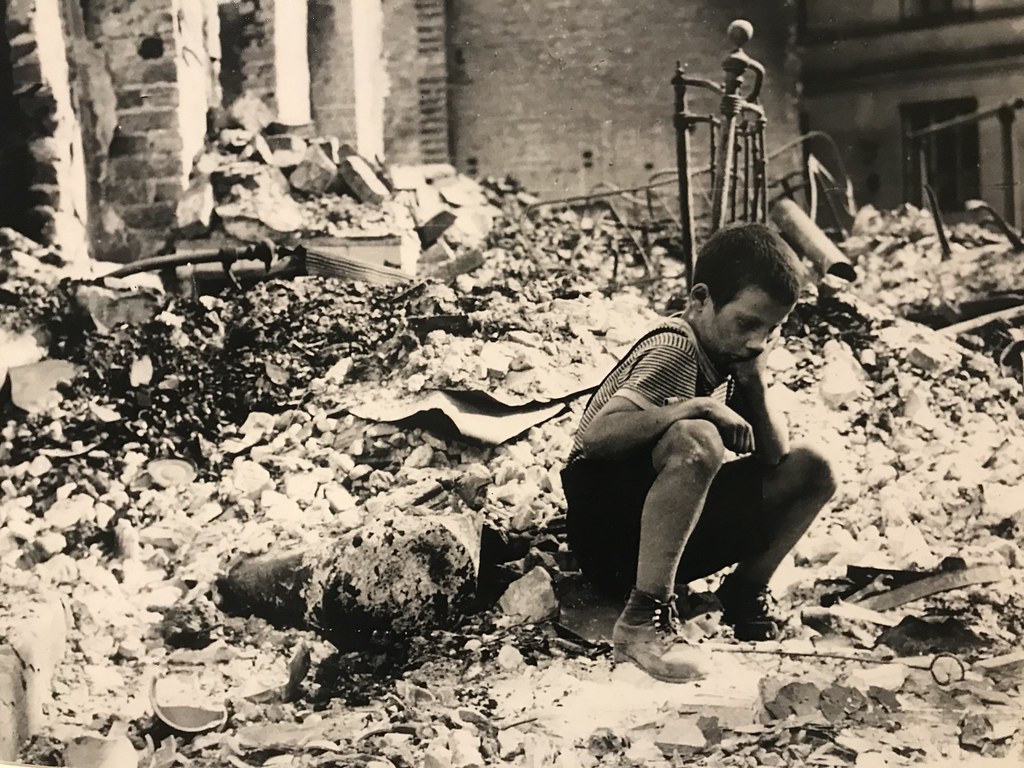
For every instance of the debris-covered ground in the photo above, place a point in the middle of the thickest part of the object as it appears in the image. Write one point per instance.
(181, 434)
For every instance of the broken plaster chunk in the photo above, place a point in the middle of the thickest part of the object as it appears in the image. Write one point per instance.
(842, 378)
(338, 497)
(279, 507)
(681, 734)
(530, 599)
(195, 208)
(509, 658)
(50, 544)
(301, 487)
(465, 749)
(69, 512)
(249, 479)
(780, 359)
(420, 458)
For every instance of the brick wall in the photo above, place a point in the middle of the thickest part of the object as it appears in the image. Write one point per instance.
(536, 85)
(159, 71)
(332, 85)
(51, 176)
(416, 106)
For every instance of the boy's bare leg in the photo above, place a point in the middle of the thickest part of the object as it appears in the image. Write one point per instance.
(686, 459)
(794, 493)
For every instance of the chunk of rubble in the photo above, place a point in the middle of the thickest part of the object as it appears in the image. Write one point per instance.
(530, 599)
(194, 213)
(315, 173)
(360, 179)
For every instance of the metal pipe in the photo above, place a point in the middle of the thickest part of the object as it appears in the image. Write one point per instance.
(922, 170)
(682, 126)
(974, 117)
(1006, 229)
(763, 167)
(809, 241)
(940, 227)
(747, 171)
(1006, 116)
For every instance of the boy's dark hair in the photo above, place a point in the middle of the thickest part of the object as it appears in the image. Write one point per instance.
(744, 255)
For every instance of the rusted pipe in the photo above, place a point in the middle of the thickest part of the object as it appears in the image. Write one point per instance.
(809, 241)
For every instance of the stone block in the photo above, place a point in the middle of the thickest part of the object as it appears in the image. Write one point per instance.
(361, 180)
(315, 173)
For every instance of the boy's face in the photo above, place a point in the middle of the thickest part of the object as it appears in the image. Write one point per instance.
(739, 330)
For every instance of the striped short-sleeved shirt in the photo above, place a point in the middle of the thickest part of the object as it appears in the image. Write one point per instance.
(666, 362)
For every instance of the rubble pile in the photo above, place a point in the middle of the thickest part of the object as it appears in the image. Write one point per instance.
(257, 183)
(899, 258)
(200, 431)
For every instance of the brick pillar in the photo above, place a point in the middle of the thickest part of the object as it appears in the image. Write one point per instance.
(416, 109)
(56, 184)
(159, 69)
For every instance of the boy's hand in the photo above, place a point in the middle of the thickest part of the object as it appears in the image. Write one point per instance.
(737, 434)
(749, 373)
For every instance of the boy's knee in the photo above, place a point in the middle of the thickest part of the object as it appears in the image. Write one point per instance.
(690, 444)
(815, 469)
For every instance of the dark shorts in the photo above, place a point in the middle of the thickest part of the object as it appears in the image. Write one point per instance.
(605, 500)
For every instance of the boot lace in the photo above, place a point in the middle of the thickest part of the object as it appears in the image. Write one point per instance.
(666, 617)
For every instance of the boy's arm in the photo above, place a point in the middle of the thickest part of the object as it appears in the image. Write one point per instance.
(771, 434)
(623, 426)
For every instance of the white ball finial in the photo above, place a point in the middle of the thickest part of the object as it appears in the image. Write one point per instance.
(740, 32)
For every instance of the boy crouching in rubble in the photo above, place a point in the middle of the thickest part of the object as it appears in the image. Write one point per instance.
(652, 505)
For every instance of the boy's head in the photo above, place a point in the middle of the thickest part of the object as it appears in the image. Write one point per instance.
(747, 255)
(745, 281)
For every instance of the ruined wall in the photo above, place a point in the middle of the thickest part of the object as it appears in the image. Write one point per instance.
(156, 62)
(247, 44)
(416, 104)
(52, 175)
(543, 89)
(331, 68)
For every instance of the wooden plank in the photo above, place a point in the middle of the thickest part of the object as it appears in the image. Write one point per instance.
(943, 582)
(979, 322)
(997, 662)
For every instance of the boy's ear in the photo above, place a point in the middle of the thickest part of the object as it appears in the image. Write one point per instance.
(700, 292)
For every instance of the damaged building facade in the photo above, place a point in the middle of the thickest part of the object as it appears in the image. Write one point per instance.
(874, 73)
(108, 103)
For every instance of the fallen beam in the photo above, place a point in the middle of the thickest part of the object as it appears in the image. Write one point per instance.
(932, 585)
